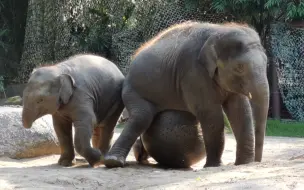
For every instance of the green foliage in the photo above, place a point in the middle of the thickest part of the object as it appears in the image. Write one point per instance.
(284, 129)
(251, 12)
(254, 11)
(291, 10)
(96, 36)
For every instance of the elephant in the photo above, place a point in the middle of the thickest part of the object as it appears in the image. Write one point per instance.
(83, 91)
(201, 68)
(174, 140)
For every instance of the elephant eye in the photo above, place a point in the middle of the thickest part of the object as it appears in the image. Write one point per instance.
(39, 100)
(239, 68)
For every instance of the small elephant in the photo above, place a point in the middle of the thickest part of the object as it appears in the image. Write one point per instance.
(174, 140)
(201, 68)
(84, 90)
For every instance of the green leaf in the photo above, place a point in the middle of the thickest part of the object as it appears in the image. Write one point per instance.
(219, 6)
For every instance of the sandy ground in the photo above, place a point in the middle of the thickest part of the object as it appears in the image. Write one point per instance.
(282, 168)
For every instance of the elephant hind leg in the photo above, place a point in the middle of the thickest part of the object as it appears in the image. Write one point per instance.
(96, 137)
(141, 114)
(140, 153)
(105, 130)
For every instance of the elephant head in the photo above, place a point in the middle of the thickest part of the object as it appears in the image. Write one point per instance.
(235, 59)
(47, 89)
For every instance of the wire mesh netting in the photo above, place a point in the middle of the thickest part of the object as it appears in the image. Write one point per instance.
(57, 29)
(116, 28)
(287, 48)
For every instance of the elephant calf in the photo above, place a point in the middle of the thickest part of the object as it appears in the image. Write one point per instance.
(84, 90)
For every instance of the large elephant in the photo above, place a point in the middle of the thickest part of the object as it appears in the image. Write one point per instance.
(174, 139)
(84, 90)
(200, 68)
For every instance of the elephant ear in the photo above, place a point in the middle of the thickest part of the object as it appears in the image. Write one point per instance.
(67, 84)
(208, 55)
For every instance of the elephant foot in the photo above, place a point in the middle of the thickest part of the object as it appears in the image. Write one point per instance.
(213, 164)
(114, 162)
(94, 158)
(66, 162)
(244, 161)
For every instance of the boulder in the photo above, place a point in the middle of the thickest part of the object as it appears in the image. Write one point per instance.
(17, 142)
(15, 100)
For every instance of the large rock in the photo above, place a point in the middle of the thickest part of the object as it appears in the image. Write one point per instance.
(18, 142)
(15, 100)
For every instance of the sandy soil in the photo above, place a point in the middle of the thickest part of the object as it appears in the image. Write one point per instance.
(282, 168)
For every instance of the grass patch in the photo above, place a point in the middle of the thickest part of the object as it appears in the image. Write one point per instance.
(284, 128)
(281, 128)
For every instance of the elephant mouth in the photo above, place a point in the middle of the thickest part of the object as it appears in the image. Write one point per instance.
(247, 94)
(240, 90)
(28, 117)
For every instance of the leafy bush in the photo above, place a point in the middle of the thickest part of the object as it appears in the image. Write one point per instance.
(260, 13)
(290, 10)
(95, 35)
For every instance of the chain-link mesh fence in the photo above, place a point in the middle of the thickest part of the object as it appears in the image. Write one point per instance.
(116, 28)
(57, 29)
(287, 48)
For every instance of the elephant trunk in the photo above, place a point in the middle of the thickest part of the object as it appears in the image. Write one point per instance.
(27, 118)
(260, 104)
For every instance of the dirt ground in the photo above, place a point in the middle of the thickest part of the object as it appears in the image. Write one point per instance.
(282, 168)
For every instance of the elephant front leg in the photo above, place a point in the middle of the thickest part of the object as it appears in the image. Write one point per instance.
(63, 129)
(83, 134)
(212, 123)
(238, 111)
(141, 116)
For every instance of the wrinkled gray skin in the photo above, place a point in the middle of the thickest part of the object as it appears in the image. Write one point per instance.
(84, 90)
(174, 140)
(200, 68)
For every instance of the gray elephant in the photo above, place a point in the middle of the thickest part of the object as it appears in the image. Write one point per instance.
(199, 68)
(174, 140)
(84, 90)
